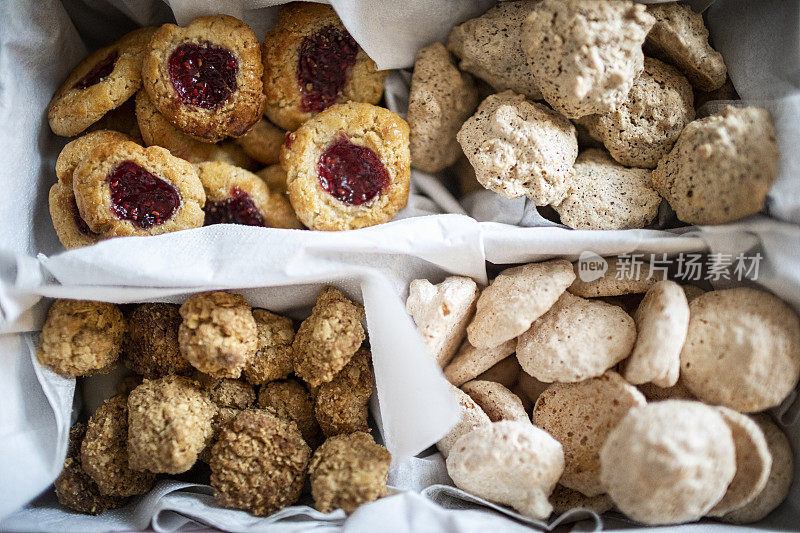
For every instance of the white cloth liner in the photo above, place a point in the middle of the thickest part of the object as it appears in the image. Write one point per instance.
(282, 270)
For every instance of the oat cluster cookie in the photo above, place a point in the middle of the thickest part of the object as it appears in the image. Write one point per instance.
(341, 404)
(520, 148)
(585, 54)
(479, 463)
(205, 79)
(236, 196)
(311, 62)
(721, 167)
(348, 471)
(328, 338)
(273, 359)
(218, 334)
(169, 424)
(490, 47)
(290, 400)
(100, 83)
(441, 99)
(80, 338)
(679, 36)
(646, 125)
(348, 167)
(606, 195)
(151, 347)
(259, 463)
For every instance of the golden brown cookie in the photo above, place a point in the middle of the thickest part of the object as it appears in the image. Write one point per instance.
(275, 178)
(218, 334)
(273, 359)
(76, 151)
(151, 346)
(226, 392)
(71, 229)
(290, 400)
(311, 62)
(121, 119)
(123, 189)
(236, 196)
(328, 338)
(206, 78)
(80, 338)
(258, 463)
(263, 142)
(348, 471)
(348, 167)
(341, 404)
(100, 83)
(157, 131)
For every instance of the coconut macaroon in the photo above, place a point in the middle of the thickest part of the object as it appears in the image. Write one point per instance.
(662, 320)
(679, 36)
(80, 338)
(441, 313)
(496, 401)
(490, 47)
(644, 127)
(515, 299)
(169, 424)
(585, 54)
(348, 471)
(470, 362)
(668, 462)
(273, 359)
(753, 462)
(512, 463)
(606, 195)
(742, 349)
(581, 416)
(779, 480)
(472, 416)
(620, 278)
(441, 99)
(575, 340)
(218, 334)
(520, 148)
(721, 167)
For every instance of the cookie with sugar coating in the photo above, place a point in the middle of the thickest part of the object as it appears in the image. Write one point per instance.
(469, 362)
(508, 462)
(515, 298)
(441, 99)
(644, 127)
(742, 349)
(753, 462)
(520, 148)
(679, 36)
(585, 54)
(621, 277)
(662, 321)
(441, 313)
(581, 416)
(606, 195)
(721, 167)
(575, 340)
(497, 401)
(472, 416)
(668, 462)
(490, 47)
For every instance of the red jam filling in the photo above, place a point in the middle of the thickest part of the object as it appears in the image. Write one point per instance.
(326, 58)
(351, 173)
(139, 196)
(238, 209)
(103, 68)
(203, 75)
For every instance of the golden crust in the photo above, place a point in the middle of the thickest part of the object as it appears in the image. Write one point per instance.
(219, 179)
(80, 338)
(328, 338)
(72, 110)
(348, 471)
(290, 400)
(232, 118)
(258, 463)
(151, 346)
(76, 151)
(263, 142)
(380, 130)
(273, 360)
(93, 193)
(275, 178)
(65, 216)
(341, 404)
(280, 53)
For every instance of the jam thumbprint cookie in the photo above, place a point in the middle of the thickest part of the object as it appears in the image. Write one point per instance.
(206, 78)
(311, 62)
(348, 167)
(101, 82)
(123, 189)
(236, 196)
